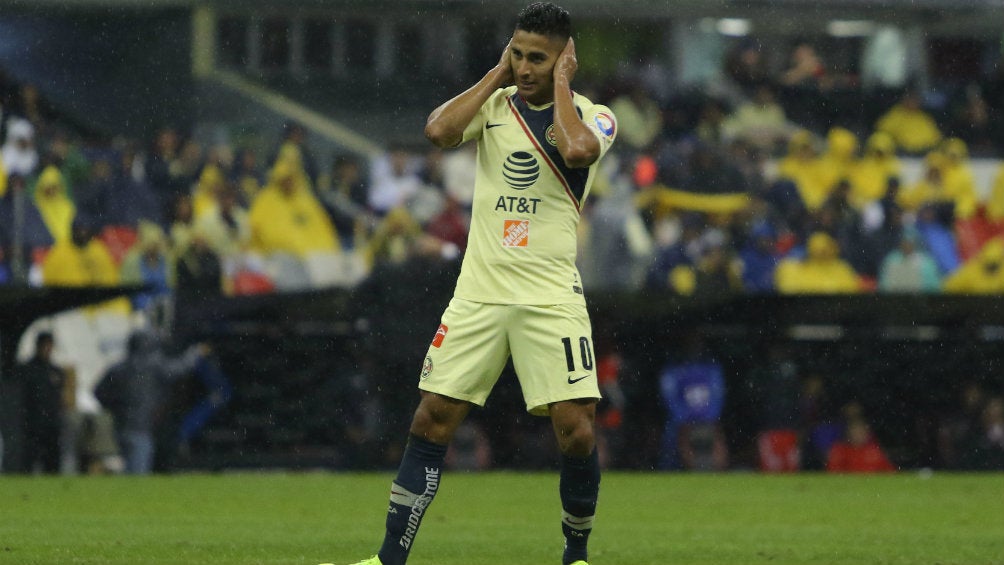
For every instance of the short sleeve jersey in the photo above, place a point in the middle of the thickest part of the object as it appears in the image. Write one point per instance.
(523, 235)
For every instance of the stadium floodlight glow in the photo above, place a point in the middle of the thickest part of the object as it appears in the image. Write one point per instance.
(734, 27)
(850, 28)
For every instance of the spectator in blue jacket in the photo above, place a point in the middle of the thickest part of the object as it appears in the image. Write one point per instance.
(693, 394)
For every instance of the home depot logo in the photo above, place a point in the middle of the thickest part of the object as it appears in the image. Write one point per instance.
(516, 233)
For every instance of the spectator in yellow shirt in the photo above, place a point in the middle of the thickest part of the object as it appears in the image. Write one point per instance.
(802, 167)
(870, 177)
(53, 203)
(80, 260)
(83, 260)
(821, 272)
(983, 274)
(947, 180)
(286, 217)
(204, 195)
(930, 189)
(913, 129)
(836, 165)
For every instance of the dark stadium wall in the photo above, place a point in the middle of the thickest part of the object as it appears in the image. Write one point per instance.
(113, 72)
(903, 358)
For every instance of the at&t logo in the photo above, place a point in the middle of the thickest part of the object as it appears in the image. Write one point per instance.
(520, 170)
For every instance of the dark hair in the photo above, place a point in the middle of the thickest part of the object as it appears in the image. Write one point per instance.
(545, 18)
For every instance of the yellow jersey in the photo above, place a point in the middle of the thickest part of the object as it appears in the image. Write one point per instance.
(522, 243)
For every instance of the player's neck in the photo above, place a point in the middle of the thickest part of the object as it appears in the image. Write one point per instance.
(538, 103)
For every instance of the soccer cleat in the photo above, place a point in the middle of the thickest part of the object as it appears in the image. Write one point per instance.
(579, 562)
(371, 561)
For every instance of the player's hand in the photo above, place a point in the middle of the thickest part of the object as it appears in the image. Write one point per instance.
(567, 63)
(505, 66)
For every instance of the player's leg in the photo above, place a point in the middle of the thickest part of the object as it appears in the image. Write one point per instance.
(437, 417)
(579, 484)
(553, 356)
(417, 481)
(574, 423)
(462, 365)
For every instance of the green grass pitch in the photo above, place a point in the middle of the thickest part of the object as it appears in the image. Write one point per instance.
(498, 518)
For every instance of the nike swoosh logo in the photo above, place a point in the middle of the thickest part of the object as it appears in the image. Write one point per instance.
(490, 126)
(572, 381)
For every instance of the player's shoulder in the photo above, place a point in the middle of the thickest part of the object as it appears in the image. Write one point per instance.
(596, 116)
(500, 98)
(588, 107)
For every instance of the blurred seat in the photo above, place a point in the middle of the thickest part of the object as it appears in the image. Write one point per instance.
(119, 240)
(246, 283)
(288, 272)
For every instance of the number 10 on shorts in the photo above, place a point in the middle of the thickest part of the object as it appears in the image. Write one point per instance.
(585, 353)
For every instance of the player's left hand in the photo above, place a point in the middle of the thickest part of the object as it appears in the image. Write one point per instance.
(567, 63)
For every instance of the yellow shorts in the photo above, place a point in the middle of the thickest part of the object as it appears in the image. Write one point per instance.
(551, 349)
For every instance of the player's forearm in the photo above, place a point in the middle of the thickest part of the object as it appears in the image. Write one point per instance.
(446, 124)
(577, 145)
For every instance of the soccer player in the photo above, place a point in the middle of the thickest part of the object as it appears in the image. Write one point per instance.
(518, 292)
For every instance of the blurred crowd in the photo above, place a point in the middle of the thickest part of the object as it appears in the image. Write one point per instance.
(745, 190)
(176, 213)
(763, 187)
(802, 418)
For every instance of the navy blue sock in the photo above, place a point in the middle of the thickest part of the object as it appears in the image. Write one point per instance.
(410, 494)
(579, 487)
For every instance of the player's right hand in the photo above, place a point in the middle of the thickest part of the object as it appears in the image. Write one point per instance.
(505, 66)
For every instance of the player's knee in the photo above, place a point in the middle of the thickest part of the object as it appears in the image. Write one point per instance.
(577, 439)
(436, 419)
(424, 424)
